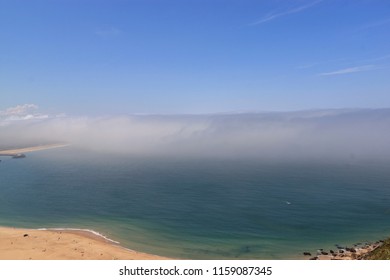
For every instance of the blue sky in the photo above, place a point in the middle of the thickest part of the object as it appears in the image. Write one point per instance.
(194, 56)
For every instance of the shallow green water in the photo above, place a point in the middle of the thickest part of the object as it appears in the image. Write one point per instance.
(200, 209)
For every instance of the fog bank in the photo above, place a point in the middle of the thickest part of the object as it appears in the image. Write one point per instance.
(305, 134)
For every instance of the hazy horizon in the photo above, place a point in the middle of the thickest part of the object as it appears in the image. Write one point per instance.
(332, 133)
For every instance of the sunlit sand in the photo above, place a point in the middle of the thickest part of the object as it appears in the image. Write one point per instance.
(25, 244)
(31, 149)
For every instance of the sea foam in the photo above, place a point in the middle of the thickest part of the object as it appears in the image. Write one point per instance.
(85, 230)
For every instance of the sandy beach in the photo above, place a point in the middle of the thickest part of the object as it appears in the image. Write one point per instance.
(33, 244)
(67, 244)
(31, 149)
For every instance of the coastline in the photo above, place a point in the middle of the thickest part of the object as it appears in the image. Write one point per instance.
(12, 152)
(63, 244)
(86, 244)
(359, 251)
(294, 252)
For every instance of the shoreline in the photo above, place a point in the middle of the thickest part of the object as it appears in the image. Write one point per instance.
(358, 251)
(87, 244)
(14, 152)
(64, 244)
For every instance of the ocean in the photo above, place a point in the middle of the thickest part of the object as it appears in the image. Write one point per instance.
(200, 208)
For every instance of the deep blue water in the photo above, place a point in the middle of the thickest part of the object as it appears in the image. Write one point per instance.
(200, 208)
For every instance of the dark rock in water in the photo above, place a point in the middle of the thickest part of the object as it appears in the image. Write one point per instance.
(334, 255)
(306, 254)
(314, 258)
(342, 251)
(331, 251)
(324, 253)
(25, 235)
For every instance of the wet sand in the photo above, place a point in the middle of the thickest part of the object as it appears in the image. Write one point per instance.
(33, 244)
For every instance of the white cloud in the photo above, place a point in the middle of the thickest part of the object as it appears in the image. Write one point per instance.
(381, 58)
(350, 70)
(319, 63)
(21, 113)
(18, 110)
(376, 24)
(273, 16)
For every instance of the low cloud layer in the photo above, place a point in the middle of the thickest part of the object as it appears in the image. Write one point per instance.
(319, 133)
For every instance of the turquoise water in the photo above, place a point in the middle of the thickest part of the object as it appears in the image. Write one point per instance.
(200, 208)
